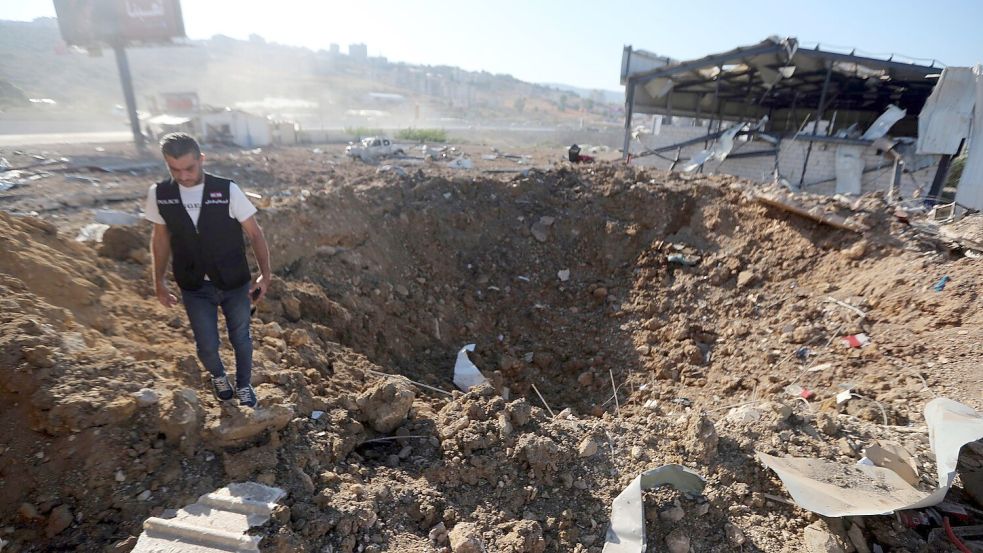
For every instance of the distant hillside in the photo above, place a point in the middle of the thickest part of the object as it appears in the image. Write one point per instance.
(608, 96)
(315, 88)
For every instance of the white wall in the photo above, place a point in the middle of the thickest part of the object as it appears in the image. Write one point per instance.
(820, 175)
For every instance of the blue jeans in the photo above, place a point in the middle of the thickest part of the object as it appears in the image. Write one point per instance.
(202, 308)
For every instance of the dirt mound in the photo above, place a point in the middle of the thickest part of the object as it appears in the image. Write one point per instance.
(663, 319)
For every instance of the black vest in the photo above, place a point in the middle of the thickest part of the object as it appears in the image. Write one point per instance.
(216, 249)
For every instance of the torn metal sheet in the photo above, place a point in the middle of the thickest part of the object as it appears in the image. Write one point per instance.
(627, 531)
(466, 374)
(658, 88)
(836, 490)
(944, 121)
(849, 168)
(718, 151)
(891, 115)
(969, 193)
(461, 163)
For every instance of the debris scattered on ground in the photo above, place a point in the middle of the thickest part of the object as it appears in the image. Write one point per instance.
(634, 361)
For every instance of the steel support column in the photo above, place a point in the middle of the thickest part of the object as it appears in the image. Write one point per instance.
(819, 116)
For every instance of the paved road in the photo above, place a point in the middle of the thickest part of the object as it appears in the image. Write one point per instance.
(64, 138)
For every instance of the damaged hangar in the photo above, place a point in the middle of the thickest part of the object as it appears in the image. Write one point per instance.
(752, 112)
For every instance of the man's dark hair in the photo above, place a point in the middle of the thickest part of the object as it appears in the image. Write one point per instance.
(177, 144)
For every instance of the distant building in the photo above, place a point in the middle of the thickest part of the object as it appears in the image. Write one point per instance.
(359, 52)
(334, 49)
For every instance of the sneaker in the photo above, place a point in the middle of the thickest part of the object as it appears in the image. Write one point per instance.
(222, 388)
(247, 396)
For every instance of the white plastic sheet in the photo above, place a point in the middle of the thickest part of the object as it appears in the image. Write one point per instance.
(835, 490)
(466, 374)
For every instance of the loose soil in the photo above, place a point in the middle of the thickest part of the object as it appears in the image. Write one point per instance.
(662, 318)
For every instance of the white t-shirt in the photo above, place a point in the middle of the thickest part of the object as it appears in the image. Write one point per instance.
(240, 208)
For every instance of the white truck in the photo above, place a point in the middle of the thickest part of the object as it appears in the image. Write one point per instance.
(373, 148)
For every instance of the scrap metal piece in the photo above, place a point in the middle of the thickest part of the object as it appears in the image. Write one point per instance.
(835, 490)
(627, 531)
(945, 119)
(969, 192)
(718, 151)
(891, 115)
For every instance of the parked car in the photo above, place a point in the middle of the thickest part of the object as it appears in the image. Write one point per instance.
(373, 148)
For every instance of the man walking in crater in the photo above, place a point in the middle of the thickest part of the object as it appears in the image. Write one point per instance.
(199, 220)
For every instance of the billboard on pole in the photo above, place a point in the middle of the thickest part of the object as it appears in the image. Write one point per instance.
(90, 23)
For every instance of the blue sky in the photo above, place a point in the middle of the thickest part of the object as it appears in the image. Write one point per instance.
(578, 42)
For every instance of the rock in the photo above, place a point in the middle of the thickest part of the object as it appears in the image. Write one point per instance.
(119, 242)
(465, 538)
(677, 541)
(125, 546)
(856, 535)
(526, 537)
(247, 424)
(291, 308)
(438, 534)
(783, 410)
(28, 512)
(40, 356)
(827, 424)
(181, 417)
(744, 413)
(402, 290)
(59, 519)
(745, 279)
(386, 405)
(304, 479)
(144, 495)
(672, 514)
(298, 337)
(563, 275)
(585, 378)
(587, 448)
(818, 539)
(701, 438)
(734, 534)
(539, 231)
(600, 293)
(854, 252)
(146, 397)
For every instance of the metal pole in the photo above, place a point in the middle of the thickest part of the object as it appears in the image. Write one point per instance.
(131, 103)
(716, 103)
(819, 116)
(629, 109)
(791, 113)
(894, 193)
(669, 108)
(939, 181)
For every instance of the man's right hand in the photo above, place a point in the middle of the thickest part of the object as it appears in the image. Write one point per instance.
(165, 297)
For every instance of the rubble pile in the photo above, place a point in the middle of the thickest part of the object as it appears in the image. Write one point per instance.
(624, 319)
